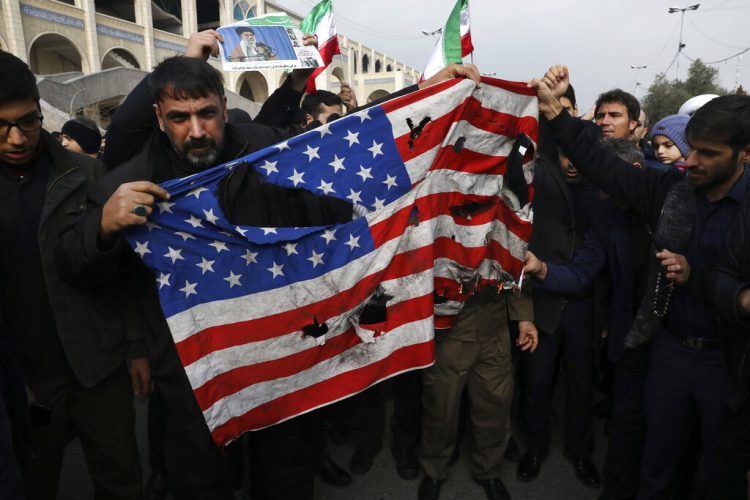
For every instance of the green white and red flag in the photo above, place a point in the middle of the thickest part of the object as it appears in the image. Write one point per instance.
(454, 43)
(320, 22)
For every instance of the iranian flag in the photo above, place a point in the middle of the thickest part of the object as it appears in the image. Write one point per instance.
(320, 22)
(454, 43)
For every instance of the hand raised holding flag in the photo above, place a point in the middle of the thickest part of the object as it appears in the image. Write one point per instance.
(121, 210)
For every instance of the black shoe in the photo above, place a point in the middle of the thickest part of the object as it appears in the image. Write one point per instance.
(361, 462)
(454, 456)
(494, 488)
(512, 451)
(429, 489)
(331, 473)
(585, 470)
(406, 463)
(156, 487)
(529, 466)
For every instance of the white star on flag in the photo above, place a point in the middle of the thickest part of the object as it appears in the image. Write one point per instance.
(233, 279)
(240, 230)
(276, 269)
(376, 149)
(379, 204)
(326, 187)
(337, 164)
(197, 192)
(270, 166)
(210, 217)
(328, 235)
(250, 257)
(268, 230)
(354, 196)
(296, 178)
(152, 225)
(283, 145)
(141, 248)
(323, 129)
(185, 236)
(206, 265)
(163, 280)
(353, 242)
(165, 206)
(364, 173)
(174, 254)
(311, 153)
(219, 246)
(189, 289)
(365, 115)
(390, 181)
(194, 221)
(291, 248)
(352, 138)
(316, 258)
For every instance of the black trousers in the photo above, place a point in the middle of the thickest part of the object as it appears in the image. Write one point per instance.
(627, 424)
(575, 335)
(680, 381)
(364, 414)
(733, 460)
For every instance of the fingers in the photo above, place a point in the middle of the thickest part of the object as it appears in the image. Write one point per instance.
(310, 40)
(147, 187)
(203, 43)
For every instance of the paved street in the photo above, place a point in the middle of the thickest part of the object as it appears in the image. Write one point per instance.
(556, 481)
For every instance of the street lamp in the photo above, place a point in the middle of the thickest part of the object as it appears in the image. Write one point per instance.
(681, 45)
(637, 83)
(436, 33)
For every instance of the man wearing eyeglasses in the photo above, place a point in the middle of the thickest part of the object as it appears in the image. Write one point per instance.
(71, 344)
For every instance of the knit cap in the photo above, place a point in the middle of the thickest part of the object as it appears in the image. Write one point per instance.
(673, 126)
(89, 139)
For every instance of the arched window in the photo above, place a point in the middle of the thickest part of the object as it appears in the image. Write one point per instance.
(243, 10)
(378, 66)
(354, 54)
(389, 68)
(365, 63)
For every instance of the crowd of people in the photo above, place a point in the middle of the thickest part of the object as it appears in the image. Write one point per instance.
(636, 284)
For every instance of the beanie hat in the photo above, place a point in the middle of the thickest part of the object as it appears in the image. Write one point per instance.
(88, 138)
(673, 126)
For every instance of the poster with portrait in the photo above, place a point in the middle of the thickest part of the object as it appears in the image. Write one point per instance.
(266, 42)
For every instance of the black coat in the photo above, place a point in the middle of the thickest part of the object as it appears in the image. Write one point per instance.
(556, 233)
(724, 284)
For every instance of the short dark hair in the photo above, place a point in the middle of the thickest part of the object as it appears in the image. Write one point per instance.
(625, 149)
(570, 93)
(622, 97)
(17, 82)
(181, 77)
(725, 119)
(311, 103)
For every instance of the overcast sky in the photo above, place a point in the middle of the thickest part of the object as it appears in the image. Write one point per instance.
(598, 39)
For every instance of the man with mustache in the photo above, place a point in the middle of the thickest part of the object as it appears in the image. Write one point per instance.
(689, 216)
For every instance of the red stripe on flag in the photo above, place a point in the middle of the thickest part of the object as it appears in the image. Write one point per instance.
(323, 393)
(225, 384)
(329, 49)
(466, 46)
(224, 336)
(471, 110)
(413, 97)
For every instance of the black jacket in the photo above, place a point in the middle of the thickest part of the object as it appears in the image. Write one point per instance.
(556, 233)
(724, 284)
(92, 327)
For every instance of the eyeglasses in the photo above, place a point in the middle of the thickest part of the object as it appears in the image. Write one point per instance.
(28, 124)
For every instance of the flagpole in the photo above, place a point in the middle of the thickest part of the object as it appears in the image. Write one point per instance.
(468, 2)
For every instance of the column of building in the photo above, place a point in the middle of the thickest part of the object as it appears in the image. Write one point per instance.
(189, 18)
(144, 18)
(93, 60)
(14, 29)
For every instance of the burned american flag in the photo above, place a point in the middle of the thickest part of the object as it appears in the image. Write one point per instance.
(273, 322)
